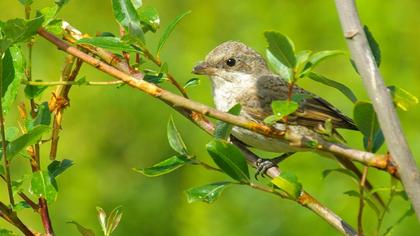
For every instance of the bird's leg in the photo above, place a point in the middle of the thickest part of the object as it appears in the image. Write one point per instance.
(264, 164)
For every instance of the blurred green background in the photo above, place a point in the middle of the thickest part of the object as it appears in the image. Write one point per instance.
(107, 131)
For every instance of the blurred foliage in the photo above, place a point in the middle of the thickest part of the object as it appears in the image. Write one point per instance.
(107, 131)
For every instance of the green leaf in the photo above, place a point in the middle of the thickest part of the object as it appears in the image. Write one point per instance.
(318, 57)
(49, 14)
(284, 108)
(11, 75)
(229, 158)
(149, 16)
(19, 144)
(17, 186)
(127, 17)
(377, 141)
(111, 43)
(153, 77)
(281, 48)
(56, 167)
(272, 119)
(192, 82)
(278, 67)
(207, 193)
(347, 172)
(175, 139)
(365, 118)
(165, 166)
(82, 230)
(402, 98)
(334, 84)
(20, 206)
(223, 129)
(288, 183)
(26, 2)
(370, 203)
(82, 81)
(42, 185)
(6, 232)
(409, 212)
(301, 59)
(1, 170)
(34, 91)
(17, 31)
(43, 116)
(374, 46)
(55, 27)
(169, 30)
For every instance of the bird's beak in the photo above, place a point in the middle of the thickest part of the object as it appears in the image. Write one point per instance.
(203, 68)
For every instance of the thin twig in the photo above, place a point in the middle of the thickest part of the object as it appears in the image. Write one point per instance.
(77, 35)
(11, 217)
(31, 203)
(60, 100)
(205, 165)
(88, 83)
(361, 202)
(388, 203)
(381, 100)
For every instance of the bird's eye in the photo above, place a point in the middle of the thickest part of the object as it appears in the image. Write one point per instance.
(231, 62)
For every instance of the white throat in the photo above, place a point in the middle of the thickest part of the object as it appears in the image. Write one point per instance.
(226, 89)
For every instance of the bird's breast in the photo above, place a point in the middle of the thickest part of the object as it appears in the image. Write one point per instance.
(227, 91)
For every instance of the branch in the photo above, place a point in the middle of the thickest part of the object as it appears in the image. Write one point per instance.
(11, 217)
(88, 83)
(185, 106)
(311, 141)
(381, 99)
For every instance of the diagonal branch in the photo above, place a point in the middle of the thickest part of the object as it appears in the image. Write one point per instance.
(381, 99)
(190, 109)
(186, 107)
(311, 141)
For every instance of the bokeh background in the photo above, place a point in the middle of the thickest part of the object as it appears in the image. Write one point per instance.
(107, 131)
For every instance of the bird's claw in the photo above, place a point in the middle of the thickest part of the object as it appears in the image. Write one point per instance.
(263, 165)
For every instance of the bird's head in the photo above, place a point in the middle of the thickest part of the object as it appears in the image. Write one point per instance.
(230, 58)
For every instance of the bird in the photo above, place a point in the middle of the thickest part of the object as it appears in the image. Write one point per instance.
(240, 75)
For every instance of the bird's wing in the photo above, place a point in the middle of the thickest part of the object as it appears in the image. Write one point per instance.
(312, 111)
